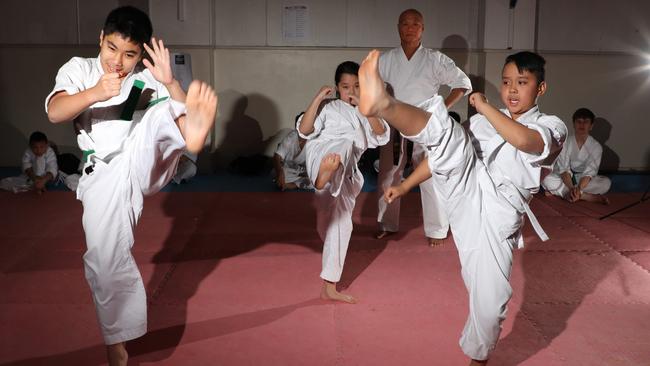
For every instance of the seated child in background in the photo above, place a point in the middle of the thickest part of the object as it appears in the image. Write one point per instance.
(337, 136)
(38, 165)
(575, 173)
(289, 162)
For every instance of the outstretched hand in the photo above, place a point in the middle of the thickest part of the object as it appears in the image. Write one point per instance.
(393, 193)
(160, 69)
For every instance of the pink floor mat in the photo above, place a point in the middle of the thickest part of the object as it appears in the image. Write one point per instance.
(232, 279)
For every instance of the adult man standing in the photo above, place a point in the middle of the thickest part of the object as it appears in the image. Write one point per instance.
(415, 73)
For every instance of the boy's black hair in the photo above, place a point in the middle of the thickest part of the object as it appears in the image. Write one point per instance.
(131, 23)
(528, 61)
(347, 67)
(37, 136)
(584, 113)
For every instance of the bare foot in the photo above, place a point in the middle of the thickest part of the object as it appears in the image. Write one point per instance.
(201, 105)
(478, 363)
(434, 242)
(328, 166)
(596, 198)
(383, 233)
(373, 97)
(328, 292)
(116, 354)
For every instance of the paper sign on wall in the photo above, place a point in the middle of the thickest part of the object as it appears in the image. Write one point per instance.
(295, 23)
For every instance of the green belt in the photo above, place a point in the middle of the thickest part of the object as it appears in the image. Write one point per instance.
(156, 101)
(86, 154)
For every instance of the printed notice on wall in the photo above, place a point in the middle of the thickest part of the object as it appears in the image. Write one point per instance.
(295, 23)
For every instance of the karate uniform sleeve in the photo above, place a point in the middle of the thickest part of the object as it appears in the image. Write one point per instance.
(593, 160)
(451, 75)
(373, 139)
(553, 132)
(27, 160)
(562, 163)
(51, 166)
(318, 124)
(69, 79)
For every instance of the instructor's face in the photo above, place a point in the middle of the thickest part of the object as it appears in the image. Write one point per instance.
(410, 27)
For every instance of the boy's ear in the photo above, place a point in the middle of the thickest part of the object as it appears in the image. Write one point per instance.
(541, 88)
(101, 37)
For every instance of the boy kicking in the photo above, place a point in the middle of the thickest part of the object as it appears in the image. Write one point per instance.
(486, 177)
(134, 123)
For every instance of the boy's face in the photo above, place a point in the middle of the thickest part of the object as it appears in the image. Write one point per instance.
(582, 126)
(410, 27)
(519, 91)
(348, 86)
(118, 54)
(38, 148)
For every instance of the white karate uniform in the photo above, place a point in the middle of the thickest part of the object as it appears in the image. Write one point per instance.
(339, 128)
(40, 165)
(579, 162)
(130, 159)
(293, 161)
(414, 81)
(485, 189)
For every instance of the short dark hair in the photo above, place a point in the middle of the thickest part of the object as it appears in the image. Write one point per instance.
(131, 23)
(528, 61)
(347, 67)
(37, 136)
(584, 113)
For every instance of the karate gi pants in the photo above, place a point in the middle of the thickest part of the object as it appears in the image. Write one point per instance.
(597, 185)
(334, 220)
(484, 224)
(435, 219)
(112, 196)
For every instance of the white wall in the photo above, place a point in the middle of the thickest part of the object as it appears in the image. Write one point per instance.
(263, 80)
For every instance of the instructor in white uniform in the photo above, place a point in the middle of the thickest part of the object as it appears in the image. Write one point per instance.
(415, 73)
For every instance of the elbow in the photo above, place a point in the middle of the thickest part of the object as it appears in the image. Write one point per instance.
(52, 117)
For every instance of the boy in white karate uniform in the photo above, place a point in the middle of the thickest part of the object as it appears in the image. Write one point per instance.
(289, 162)
(415, 73)
(337, 135)
(127, 155)
(485, 181)
(39, 167)
(575, 173)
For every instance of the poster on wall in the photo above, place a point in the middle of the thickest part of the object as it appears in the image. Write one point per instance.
(182, 68)
(295, 23)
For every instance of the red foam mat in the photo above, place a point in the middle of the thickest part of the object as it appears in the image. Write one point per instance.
(232, 279)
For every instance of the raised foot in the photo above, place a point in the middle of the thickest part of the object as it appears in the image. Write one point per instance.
(328, 292)
(328, 166)
(201, 105)
(373, 98)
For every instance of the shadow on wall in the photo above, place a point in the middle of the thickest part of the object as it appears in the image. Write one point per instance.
(601, 131)
(241, 145)
(457, 46)
(11, 133)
